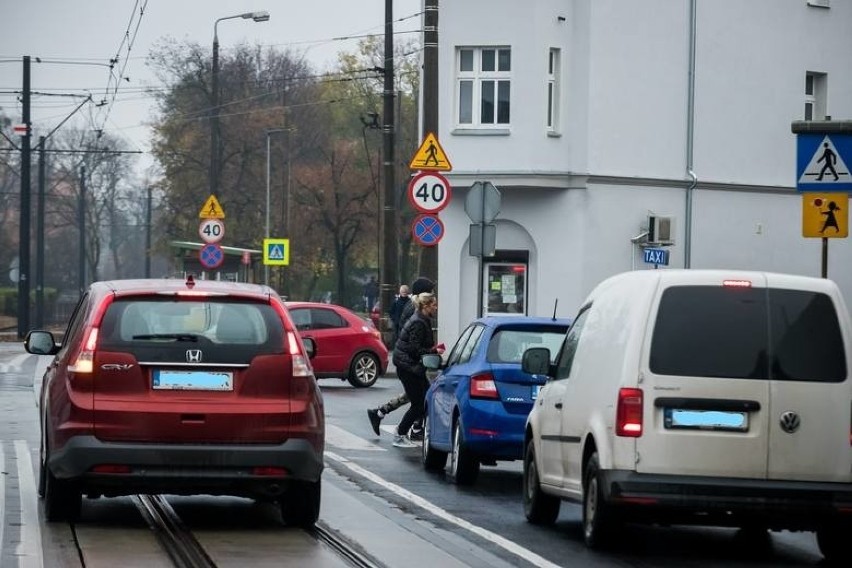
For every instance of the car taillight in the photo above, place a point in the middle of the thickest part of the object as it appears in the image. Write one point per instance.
(84, 363)
(483, 386)
(301, 367)
(628, 414)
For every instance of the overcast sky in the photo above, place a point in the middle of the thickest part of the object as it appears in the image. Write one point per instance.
(81, 36)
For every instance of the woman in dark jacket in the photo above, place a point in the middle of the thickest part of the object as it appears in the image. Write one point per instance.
(415, 340)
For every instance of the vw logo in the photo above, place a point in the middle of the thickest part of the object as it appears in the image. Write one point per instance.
(790, 422)
(193, 355)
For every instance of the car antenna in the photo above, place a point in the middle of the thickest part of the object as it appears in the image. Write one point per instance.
(555, 303)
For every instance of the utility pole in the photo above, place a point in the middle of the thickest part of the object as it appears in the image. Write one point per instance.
(429, 255)
(148, 235)
(389, 273)
(39, 304)
(81, 221)
(24, 233)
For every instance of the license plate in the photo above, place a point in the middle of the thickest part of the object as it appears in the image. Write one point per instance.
(535, 390)
(193, 380)
(705, 420)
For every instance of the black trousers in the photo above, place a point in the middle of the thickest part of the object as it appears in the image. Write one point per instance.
(415, 385)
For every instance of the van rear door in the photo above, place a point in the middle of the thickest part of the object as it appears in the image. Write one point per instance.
(704, 378)
(811, 393)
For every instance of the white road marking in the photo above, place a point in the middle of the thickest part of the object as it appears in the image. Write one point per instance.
(498, 540)
(3, 476)
(29, 550)
(340, 438)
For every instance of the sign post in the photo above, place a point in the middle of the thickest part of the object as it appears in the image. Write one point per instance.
(823, 155)
(482, 205)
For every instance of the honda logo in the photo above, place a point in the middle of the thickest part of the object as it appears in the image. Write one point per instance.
(193, 355)
(790, 422)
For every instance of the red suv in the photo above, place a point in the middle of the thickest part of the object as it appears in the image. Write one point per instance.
(180, 387)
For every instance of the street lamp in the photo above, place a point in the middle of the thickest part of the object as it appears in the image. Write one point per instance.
(262, 16)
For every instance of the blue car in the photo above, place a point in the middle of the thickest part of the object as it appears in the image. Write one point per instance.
(477, 406)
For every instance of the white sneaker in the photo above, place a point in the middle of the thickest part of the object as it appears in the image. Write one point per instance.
(403, 442)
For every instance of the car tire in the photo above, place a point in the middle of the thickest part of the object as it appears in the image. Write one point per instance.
(364, 370)
(598, 522)
(464, 466)
(62, 498)
(433, 459)
(539, 508)
(300, 505)
(833, 542)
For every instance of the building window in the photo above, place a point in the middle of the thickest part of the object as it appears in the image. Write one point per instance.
(815, 95)
(484, 86)
(553, 90)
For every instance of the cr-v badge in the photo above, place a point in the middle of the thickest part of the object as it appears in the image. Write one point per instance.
(790, 421)
(193, 355)
(117, 366)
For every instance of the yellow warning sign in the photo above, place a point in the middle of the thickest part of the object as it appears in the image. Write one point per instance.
(211, 209)
(430, 156)
(825, 215)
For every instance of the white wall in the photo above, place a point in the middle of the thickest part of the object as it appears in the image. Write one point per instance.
(622, 150)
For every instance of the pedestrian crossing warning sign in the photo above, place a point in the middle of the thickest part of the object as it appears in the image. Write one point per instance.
(430, 156)
(826, 170)
(211, 209)
(276, 252)
(825, 215)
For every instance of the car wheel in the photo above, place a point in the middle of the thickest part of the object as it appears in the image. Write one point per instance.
(833, 541)
(300, 505)
(464, 467)
(364, 370)
(540, 508)
(433, 460)
(598, 523)
(62, 498)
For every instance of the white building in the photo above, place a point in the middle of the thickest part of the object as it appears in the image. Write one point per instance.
(581, 171)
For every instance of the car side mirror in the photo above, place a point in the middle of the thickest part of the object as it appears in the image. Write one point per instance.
(40, 343)
(310, 346)
(536, 361)
(432, 361)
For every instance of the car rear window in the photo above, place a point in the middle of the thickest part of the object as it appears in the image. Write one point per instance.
(155, 326)
(508, 345)
(747, 333)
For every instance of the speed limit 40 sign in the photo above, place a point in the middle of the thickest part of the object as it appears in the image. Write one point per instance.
(429, 192)
(211, 230)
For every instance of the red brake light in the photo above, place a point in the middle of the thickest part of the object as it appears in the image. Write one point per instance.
(628, 414)
(736, 283)
(483, 386)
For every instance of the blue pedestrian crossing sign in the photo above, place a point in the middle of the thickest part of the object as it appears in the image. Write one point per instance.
(822, 162)
(276, 252)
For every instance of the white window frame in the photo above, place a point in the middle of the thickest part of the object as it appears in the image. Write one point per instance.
(816, 97)
(475, 78)
(554, 84)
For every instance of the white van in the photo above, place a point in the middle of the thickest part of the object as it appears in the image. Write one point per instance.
(706, 397)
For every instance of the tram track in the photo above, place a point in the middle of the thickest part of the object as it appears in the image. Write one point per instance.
(185, 551)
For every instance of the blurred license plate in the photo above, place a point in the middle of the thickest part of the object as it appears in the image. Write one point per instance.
(706, 420)
(535, 390)
(193, 380)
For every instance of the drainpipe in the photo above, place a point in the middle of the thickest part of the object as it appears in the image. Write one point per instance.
(690, 134)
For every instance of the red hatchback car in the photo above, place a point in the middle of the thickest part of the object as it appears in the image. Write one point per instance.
(348, 346)
(180, 387)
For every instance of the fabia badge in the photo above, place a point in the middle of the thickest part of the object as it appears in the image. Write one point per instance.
(193, 355)
(790, 422)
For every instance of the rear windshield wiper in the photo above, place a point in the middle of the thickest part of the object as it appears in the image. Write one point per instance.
(173, 336)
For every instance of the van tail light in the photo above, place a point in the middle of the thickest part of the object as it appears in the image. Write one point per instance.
(483, 386)
(628, 414)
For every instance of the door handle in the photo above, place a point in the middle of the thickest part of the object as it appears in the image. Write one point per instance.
(558, 405)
